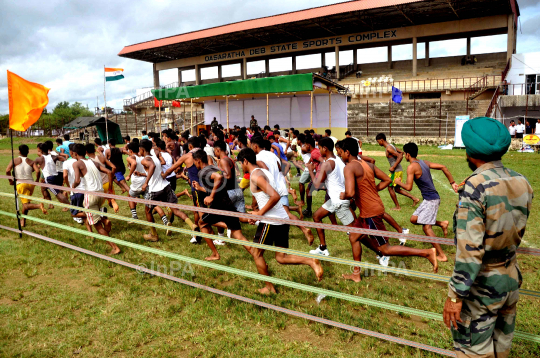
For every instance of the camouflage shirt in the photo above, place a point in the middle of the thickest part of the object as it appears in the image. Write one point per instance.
(214, 124)
(253, 123)
(489, 223)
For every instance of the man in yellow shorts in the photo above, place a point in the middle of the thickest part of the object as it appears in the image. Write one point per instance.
(22, 168)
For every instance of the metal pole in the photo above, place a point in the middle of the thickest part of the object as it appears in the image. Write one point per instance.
(125, 118)
(267, 112)
(191, 115)
(446, 135)
(526, 106)
(390, 110)
(106, 111)
(136, 131)
(146, 122)
(15, 185)
(159, 109)
(311, 111)
(440, 119)
(414, 118)
(367, 118)
(329, 109)
(184, 119)
(227, 107)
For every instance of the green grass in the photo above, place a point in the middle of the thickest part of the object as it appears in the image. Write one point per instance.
(31, 142)
(56, 302)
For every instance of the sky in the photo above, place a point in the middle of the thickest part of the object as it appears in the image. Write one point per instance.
(65, 44)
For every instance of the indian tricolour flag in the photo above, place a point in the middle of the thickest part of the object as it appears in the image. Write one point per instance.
(113, 74)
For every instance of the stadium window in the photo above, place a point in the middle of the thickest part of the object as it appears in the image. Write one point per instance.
(448, 48)
(330, 59)
(281, 64)
(255, 67)
(372, 55)
(308, 61)
(168, 76)
(488, 44)
(404, 52)
(208, 73)
(188, 76)
(233, 70)
(345, 57)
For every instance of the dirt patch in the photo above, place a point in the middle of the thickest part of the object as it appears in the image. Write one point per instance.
(293, 333)
(6, 301)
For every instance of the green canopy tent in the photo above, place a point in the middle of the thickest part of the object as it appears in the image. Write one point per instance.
(99, 123)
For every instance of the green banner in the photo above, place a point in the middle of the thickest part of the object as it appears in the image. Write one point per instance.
(292, 83)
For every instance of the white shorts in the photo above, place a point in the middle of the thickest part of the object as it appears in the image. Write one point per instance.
(341, 209)
(427, 212)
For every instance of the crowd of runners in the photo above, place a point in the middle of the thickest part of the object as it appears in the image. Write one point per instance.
(220, 166)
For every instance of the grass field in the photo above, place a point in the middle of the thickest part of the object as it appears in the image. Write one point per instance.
(56, 302)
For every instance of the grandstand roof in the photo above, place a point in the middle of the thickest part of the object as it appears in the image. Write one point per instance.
(331, 20)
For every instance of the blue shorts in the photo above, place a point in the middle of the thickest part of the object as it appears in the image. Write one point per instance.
(76, 199)
(284, 200)
(119, 176)
(54, 180)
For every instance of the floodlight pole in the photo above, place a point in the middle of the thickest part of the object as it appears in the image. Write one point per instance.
(267, 113)
(191, 115)
(227, 106)
(106, 111)
(329, 109)
(311, 111)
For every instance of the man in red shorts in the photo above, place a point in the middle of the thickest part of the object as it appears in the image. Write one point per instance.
(360, 185)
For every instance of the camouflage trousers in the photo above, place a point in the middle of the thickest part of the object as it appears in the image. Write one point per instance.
(488, 324)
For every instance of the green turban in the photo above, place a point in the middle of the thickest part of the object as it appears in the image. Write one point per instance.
(485, 137)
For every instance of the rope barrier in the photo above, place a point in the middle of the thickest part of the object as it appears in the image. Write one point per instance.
(389, 234)
(257, 276)
(244, 299)
(365, 265)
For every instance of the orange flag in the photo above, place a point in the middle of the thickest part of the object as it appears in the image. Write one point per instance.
(26, 101)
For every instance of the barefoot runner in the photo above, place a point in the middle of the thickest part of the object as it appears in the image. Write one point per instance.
(394, 156)
(22, 168)
(266, 197)
(47, 163)
(100, 161)
(86, 171)
(426, 214)
(360, 185)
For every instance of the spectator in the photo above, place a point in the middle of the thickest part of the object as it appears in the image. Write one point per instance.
(512, 129)
(537, 131)
(520, 129)
(528, 128)
(144, 135)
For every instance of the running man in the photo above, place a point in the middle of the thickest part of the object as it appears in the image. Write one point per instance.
(85, 170)
(137, 175)
(395, 156)
(47, 163)
(211, 188)
(21, 168)
(76, 199)
(331, 174)
(267, 199)
(315, 159)
(426, 214)
(360, 185)
(268, 161)
(100, 161)
(158, 189)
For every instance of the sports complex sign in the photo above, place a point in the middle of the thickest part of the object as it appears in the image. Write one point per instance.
(304, 45)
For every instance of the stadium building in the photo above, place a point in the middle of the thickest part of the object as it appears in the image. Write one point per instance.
(434, 89)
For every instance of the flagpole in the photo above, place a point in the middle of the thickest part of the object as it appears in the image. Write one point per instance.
(15, 185)
(106, 111)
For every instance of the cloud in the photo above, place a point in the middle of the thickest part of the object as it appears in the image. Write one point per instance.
(65, 44)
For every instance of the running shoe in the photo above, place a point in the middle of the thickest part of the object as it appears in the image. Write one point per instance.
(307, 213)
(402, 242)
(228, 233)
(219, 242)
(383, 260)
(318, 251)
(78, 220)
(194, 240)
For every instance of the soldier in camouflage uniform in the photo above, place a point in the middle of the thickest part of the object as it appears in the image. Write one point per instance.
(214, 124)
(489, 223)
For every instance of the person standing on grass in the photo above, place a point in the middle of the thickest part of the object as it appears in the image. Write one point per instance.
(47, 163)
(512, 129)
(22, 168)
(520, 129)
(490, 221)
(316, 160)
(158, 189)
(360, 185)
(419, 172)
(86, 171)
(395, 156)
(267, 200)
(537, 128)
(331, 174)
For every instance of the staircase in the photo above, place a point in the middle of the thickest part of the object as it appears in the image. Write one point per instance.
(133, 125)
